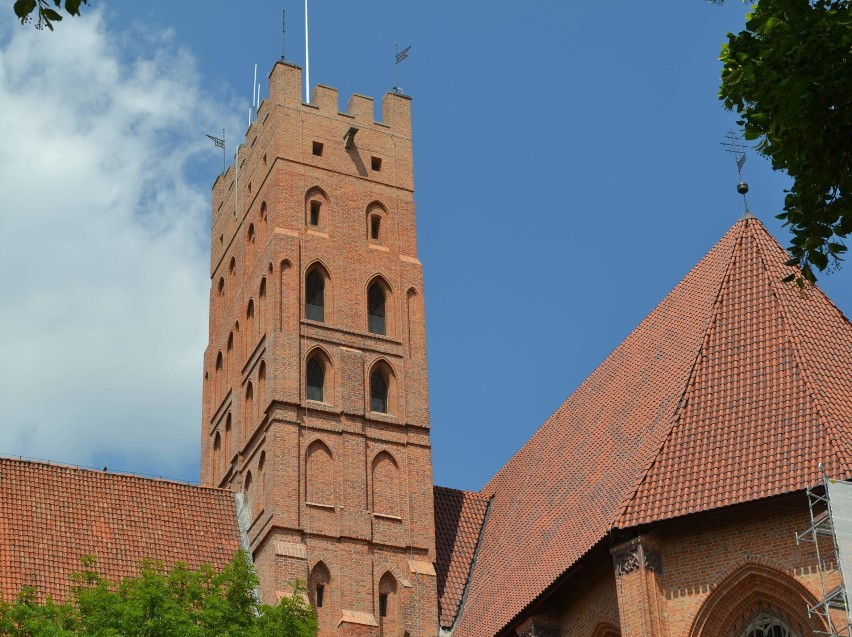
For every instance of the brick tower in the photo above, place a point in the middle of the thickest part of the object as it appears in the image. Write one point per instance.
(315, 388)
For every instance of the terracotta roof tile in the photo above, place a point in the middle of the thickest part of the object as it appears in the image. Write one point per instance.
(763, 405)
(51, 516)
(732, 389)
(458, 520)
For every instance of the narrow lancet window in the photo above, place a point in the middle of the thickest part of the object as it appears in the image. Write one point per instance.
(378, 392)
(315, 379)
(376, 309)
(315, 296)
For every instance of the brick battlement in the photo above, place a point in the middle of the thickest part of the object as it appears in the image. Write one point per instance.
(320, 122)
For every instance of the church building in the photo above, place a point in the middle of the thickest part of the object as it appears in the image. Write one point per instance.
(662, 498)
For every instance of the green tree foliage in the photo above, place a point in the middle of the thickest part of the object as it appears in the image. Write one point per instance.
(789, 77)
(160, 602)
(25, 9)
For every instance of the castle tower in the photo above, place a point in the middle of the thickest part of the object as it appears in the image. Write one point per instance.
(315, 388)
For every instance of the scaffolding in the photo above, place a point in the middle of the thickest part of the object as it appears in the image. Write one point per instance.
(829, 562)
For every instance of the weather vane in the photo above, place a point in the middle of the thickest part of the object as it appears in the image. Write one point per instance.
(399, 56)
(737, 149)
(220, 143)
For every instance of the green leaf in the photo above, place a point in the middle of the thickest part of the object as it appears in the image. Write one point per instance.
(72, 7)
(24, 8)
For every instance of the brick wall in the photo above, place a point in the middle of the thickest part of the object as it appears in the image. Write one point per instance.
(691, 577)
(333, 483)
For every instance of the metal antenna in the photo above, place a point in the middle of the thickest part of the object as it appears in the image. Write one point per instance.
(220, 143)
(283, 34)
(737, 149)
(399, 56)
(255, 94)
(307, 60)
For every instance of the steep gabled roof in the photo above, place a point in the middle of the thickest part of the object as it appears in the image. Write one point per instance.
(52, 516)
(458, 521)
(732, 389)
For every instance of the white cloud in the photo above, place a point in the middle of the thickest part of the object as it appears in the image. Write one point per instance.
(103, 246)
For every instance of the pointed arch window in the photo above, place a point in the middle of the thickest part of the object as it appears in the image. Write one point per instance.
(388, 611)
(376, 315)
(249, 409)
(228, 433)
(379, 391)
(217, 456)
(315, 379)
(315, 296)
(767, 624)
(318, 583)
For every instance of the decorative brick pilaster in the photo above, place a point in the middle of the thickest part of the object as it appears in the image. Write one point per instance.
(639, 582)
(539, 626)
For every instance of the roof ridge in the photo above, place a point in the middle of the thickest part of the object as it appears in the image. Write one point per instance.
(493, 484)
(118, 474)
(643, 474)
(476, 494)
(790, 331)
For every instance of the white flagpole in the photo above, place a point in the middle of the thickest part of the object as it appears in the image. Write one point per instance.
(307, 60)
(253, 89)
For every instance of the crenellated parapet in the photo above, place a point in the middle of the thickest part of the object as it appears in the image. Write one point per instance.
(319, 135)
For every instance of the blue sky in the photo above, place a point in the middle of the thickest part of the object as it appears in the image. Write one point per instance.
(568, 174)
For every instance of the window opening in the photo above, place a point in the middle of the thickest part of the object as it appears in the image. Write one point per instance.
(376, 163)
(376, 309)
(320, 595)
(317, 149)
(768, 622)
(375, 226)
(383, 604)
(378, 392)
(315, 296)
(316, 379)
(315, 212)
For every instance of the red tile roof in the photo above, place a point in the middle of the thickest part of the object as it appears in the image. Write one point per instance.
(458, 520)
(732, 389)
(51, 516)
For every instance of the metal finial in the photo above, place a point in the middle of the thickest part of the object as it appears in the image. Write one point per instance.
(737, 149)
